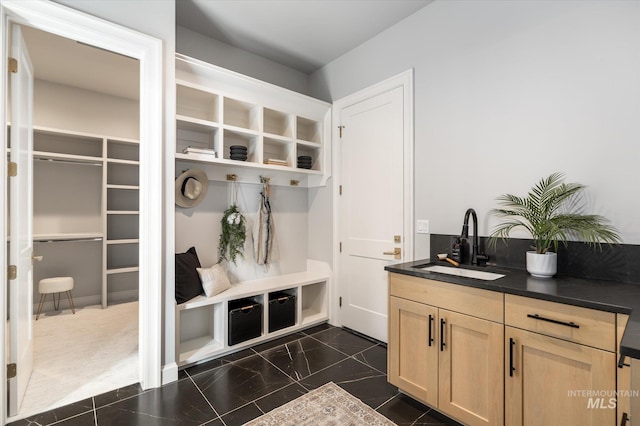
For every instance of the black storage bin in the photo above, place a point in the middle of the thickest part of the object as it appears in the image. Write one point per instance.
(282, 310)
(245, 320)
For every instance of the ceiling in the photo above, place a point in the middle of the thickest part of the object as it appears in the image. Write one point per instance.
(65, 61)
(301, 34)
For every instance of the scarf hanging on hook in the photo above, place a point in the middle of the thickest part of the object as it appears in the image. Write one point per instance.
(265, 245)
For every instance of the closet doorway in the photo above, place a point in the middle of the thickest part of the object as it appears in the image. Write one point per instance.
(85, 219)
(66, 22)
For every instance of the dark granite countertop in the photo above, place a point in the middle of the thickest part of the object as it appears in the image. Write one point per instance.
(610, 296)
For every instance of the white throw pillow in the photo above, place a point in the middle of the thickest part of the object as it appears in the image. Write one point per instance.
(214, 280)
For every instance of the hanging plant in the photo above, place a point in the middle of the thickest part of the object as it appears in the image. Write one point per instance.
(234, 233)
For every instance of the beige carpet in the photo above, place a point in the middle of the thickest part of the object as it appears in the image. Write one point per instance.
(82, 355)
(327, 405)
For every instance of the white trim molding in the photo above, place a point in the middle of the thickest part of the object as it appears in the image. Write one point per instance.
(66, 22)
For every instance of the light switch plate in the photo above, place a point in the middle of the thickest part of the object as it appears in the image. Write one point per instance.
(422, 226)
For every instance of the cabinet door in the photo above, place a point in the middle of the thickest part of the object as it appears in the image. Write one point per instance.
(471, 387)
(554, 382)
(413, 354)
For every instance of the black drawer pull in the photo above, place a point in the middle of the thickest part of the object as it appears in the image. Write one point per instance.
(621, 363)
(511, 367)
(430, 329)
(568, 324)
(624, 420)
(442, 324)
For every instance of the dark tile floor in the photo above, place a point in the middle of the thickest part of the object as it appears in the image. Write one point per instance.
(240, 387)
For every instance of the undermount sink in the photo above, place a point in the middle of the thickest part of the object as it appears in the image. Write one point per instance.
(467, 273)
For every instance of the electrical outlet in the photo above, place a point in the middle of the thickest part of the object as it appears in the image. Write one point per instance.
(422, 226)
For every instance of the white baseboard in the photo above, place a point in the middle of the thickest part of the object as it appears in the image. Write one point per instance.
(169, 373)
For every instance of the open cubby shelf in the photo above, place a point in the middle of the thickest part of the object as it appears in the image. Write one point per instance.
(203, 322)
(273, 123)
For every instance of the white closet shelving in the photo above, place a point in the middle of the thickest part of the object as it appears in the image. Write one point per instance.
(86, 191)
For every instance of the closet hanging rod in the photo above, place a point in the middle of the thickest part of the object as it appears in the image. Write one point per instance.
(66, 240)
(69, 161)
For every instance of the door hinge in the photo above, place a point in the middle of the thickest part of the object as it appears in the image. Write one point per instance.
(340, 246)
(12, 273)
(12, 169)
(340, 128)
(13, 65)
(12, 370)
(340, 301)
(340, 189)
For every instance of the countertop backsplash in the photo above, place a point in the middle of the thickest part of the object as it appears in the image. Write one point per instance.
(616, 263)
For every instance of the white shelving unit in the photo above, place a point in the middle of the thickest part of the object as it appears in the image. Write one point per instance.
(217, 109)
(86, 191)
(202, 323)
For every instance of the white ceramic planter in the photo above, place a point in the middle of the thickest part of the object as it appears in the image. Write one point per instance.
(542, 265)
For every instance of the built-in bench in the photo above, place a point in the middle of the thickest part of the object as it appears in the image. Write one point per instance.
(202, 323)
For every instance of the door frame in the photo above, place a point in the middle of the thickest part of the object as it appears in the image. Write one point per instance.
(404, 80)
(66, 22)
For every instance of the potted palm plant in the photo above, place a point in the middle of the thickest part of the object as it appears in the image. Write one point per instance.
(552, 212)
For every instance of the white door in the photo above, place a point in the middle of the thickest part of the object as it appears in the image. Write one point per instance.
(20, 217)
(371, 206)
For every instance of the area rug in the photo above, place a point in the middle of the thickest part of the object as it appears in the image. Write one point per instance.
(328, 405)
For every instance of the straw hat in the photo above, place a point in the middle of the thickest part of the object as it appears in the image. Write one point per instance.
(191, 188)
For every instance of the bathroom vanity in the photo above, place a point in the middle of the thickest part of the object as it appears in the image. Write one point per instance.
(515, 350)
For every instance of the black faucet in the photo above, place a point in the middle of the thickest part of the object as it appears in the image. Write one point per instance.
(465, 234)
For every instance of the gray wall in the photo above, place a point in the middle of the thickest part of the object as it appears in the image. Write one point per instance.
(509, 92)
(215, 52)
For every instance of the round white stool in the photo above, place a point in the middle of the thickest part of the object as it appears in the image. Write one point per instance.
(55, 285)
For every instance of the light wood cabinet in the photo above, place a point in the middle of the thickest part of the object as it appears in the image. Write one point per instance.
(445, 358)
(546, 363)
(628, 374)
(560, 364)
(413, 356)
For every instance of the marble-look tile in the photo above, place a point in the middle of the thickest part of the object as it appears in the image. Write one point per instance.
(57, 414)
(363, 382)
(215, 363)
(317, 329)
(242, 415)
(86, 419)
(375, 357)
(236, 384)
(280, 397)
(175, 403)
(117, 395)
(344, 341)
(303, 357)
(404, 411)
(278, 342)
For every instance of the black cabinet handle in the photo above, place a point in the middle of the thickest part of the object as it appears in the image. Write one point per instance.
(442, 324)
(512, 343)
(621, 363)
(568, 324)
(430, 329)
(624, 420)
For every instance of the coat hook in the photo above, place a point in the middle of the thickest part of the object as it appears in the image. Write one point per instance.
(232, 177)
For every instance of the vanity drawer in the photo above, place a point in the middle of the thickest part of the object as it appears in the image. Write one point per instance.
(574, 323)
(472, 301)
